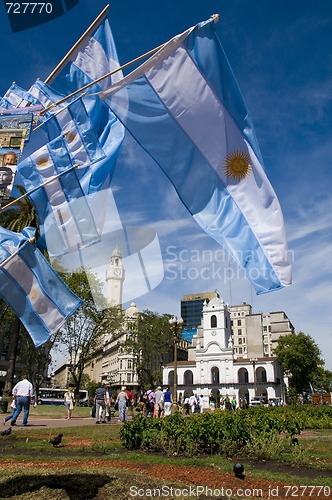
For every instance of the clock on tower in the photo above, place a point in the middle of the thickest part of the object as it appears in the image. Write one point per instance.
(115, 276)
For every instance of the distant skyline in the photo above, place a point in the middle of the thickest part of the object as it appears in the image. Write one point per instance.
(281, 56)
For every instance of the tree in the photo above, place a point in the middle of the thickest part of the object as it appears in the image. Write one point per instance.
(299, 357)
(321, 378)
(16, 218)
(34, 360)
(150, 339)
(83, 332)
(20, 215)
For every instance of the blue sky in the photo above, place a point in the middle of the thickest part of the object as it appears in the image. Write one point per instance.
(281, 55)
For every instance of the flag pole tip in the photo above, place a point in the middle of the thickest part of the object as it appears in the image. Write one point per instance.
(215, 18)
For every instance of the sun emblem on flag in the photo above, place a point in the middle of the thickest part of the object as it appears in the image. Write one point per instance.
(42, 162)
(70, 136)
(237, 165)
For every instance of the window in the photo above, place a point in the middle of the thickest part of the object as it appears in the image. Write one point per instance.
(129, 364)
(215, 375)
(239, 322)
(243, 377)
(214, 321)
(188, 377)
(240, 350)
(240, 340)
(264, 328)
(239, 332)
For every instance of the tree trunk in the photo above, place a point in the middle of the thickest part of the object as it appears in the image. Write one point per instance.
(12, 354)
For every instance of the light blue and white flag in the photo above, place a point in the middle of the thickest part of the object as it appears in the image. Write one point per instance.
(186, 110)
(94, 57)
(50, 180)
(93, 137)
(31, 287)
(17, 97)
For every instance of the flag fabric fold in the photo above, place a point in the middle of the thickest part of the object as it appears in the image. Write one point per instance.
(94, 57)
(92, 132)
(32, 288)
(184, 107)
(17, 97)
(60, 201)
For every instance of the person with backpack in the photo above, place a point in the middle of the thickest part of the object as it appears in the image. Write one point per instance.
(149, 403)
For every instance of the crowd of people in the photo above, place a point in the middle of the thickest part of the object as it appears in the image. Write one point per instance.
(158, 403)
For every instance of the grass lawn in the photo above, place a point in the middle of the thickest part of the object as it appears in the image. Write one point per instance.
(91, 463)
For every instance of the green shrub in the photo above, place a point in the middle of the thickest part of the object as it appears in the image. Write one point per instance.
(255, 432)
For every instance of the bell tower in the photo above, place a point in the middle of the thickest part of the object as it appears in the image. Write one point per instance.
(115, 276)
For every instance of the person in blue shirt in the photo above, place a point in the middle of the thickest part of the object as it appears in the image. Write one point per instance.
(168, 401)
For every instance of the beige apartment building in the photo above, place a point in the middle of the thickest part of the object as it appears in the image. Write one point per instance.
(257, 335)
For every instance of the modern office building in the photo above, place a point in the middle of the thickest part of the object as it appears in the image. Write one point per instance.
(192, 308)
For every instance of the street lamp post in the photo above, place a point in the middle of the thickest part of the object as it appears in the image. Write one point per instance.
(254, 361)
(176, 324)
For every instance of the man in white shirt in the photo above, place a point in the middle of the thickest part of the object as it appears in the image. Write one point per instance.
(23, 393)
(159, 406)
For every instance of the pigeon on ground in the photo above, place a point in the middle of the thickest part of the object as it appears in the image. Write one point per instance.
(6, 432)
(56, 441)
(238, 470)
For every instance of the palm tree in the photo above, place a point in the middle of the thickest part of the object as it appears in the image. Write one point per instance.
(20, 214)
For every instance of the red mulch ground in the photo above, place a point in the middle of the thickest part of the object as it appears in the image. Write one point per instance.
(188, 475)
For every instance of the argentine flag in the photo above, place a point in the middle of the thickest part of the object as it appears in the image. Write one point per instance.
(50, 180)
(184, 107)
(31, 287)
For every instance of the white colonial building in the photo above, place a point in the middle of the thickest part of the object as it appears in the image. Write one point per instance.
(213, 367)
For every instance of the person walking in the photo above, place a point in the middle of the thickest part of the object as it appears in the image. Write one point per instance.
(100, 399)
(159, 402)
(168, 401)
(108, 413)
(23, 393)
(13, 407)
(186, 406)
(69, 399)
(192, 402)
(122, 399)
(150, 403)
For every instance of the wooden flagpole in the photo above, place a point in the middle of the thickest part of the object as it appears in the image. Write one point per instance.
(25, 195)
(215, 18)
(82, 89)
(4, 262)
(52, 75)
